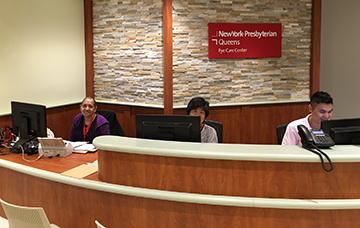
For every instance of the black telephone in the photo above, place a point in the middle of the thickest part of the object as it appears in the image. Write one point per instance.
(314, 138)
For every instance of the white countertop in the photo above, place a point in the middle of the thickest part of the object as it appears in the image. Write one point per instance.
(224, 151)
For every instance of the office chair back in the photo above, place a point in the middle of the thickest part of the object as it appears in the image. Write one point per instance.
(280, 131)
(26, 217)
(115, 127)
(218, 126)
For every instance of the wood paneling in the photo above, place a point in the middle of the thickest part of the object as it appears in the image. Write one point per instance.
(290, 180)
(69, 207)
(168, 56)
(315, 46)
(254, 124)
(89, 48)
(259, 121)
(5, 120)
(60, 119)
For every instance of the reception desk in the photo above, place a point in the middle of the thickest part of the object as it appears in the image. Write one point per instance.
(146, 183)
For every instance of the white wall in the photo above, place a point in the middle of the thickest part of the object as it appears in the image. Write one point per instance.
(42, 52)
(340, 55)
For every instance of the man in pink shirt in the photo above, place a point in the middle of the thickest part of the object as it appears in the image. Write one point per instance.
(320, 108)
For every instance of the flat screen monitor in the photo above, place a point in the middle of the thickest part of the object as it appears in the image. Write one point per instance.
(28, 122)
(343, 131)
(168, 127)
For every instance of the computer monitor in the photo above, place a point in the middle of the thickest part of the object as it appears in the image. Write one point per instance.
(28, 122)
(168, 127)
(343, 131)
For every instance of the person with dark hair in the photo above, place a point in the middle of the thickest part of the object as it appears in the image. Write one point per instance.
(199, 107)
(320, 108)
(88, 124)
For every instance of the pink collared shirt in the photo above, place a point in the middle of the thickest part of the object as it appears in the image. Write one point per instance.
(291, 136)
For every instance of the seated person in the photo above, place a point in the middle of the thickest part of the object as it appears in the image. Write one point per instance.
(88, 124)
(199, 107)
(320, 107)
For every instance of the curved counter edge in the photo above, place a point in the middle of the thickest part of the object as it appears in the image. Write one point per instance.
(223, 151)
(310, 204)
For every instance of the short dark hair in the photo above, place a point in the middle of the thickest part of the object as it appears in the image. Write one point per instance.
(198, 102)
(320, 97)
(95, 104)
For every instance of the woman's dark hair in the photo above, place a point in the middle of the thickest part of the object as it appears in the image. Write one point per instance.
(198, 102)
(95, 104)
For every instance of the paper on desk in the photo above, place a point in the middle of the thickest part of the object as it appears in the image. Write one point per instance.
(87, 147)
(80, 151)
(81, 171)
(76, 144)
(82, 147)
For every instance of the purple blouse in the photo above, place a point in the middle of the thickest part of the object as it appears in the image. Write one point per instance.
(100, 126)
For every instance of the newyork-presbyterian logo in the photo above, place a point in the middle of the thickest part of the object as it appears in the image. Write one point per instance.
(230, 40)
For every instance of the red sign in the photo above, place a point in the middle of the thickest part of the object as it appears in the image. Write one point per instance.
(230, 40)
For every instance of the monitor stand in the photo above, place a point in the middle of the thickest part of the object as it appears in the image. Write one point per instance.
(16, 148)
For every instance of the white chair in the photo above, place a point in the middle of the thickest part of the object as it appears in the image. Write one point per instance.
(99, 225)
(26, 217)
(4, 222)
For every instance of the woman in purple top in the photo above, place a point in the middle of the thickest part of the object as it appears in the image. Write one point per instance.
(88, 124)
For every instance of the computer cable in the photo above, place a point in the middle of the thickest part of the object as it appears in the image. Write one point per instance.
(23, 155)
(4, 149)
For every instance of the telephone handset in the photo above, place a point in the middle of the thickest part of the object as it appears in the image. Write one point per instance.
(314, 138)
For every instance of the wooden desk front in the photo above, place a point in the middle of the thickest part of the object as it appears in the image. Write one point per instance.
(71, 202)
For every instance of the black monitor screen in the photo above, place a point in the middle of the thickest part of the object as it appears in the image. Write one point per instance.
(343, 131)
(168, 127)
(28, 121)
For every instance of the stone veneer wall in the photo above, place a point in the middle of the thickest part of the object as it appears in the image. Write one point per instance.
(128, 52)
